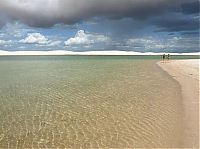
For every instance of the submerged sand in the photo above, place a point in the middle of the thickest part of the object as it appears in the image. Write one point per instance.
(186, 72)
(88, 102)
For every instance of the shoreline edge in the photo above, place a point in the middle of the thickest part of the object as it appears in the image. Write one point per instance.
(186, 72)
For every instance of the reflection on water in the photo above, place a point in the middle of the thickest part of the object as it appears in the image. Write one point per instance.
(87, 102)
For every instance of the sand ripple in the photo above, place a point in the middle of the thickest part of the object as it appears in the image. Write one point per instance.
(88, 104)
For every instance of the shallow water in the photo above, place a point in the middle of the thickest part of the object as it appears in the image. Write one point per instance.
(54, 101)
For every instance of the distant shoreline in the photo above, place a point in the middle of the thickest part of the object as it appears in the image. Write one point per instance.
(87, 53)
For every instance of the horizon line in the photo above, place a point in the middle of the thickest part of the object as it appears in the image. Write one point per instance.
(109, 52)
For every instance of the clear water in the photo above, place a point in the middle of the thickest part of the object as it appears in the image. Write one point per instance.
(88, 101)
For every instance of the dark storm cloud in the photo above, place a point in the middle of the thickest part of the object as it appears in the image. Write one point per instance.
(45, 13)
(177, 25)
(190, 7)
(190, 33)
(175, 22)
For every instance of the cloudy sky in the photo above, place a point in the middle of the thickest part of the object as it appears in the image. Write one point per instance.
(85, 25)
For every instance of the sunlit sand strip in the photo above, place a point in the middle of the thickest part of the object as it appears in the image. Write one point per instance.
(186, 72)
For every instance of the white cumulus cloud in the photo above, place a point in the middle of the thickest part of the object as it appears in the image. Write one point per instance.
(35, 38)
(83, 38)
(4, 42)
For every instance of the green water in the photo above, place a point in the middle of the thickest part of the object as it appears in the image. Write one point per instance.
(88, 101)
(103, 57)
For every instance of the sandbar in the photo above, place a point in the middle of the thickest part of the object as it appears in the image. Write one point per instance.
(186, 72)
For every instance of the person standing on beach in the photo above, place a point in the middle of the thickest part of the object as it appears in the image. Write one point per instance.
(168, 57)
(163, 57)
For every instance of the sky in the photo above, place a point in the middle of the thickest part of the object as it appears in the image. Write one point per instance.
(100, 25)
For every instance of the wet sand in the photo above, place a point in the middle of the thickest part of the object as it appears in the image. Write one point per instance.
(186, 72)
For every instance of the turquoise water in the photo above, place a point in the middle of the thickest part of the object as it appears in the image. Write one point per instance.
(88, 101)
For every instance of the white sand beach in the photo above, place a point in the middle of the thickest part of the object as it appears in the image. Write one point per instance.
(186, 72)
